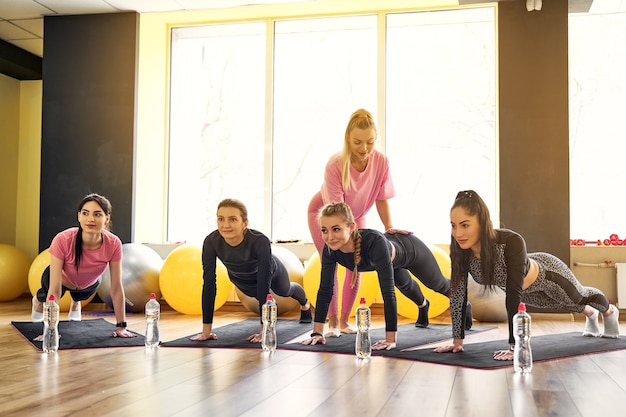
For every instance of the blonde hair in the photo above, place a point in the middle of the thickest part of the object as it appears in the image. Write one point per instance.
(345, 213)
(360, 119)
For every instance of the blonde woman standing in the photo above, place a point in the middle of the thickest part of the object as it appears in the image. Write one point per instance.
(359, 176)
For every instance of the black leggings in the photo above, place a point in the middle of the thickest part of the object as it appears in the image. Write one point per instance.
(413, 255)
(282, 285)
(77, 295)
(279, 283)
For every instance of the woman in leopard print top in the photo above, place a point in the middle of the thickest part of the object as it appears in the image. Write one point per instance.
(498, 258)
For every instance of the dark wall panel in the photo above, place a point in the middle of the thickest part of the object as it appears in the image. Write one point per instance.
(533, 124)
(18, 63)
(88, 118)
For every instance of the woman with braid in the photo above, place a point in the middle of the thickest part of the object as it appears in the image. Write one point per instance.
(78, 257)
(359, 176)
(392, 256)
(498, 258)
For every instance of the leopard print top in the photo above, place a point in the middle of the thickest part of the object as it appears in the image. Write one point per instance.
(511, 266)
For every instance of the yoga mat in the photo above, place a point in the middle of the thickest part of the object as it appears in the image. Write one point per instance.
(408, 336)
(544, 348)
(83, 334)
(234, 335)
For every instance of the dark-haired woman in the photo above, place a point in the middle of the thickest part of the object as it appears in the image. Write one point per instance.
(392, 256)
(498, 258)
(78, 257)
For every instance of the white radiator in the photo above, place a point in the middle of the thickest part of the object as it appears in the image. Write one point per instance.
(621, 285)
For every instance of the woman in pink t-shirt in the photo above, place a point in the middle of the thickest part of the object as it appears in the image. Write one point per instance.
(358, 176)
(78, 257)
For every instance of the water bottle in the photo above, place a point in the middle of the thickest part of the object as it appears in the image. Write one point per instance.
(268, 316)
(363, 344)
(50, 325)
(153, 311)
(523, 357)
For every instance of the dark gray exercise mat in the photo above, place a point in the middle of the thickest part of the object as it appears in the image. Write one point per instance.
(408, 336)
(544, 348)
(85, 334)
(234, 335)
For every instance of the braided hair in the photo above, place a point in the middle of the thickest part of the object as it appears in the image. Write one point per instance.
(345, 213)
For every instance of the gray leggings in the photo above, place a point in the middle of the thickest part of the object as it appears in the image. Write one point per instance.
(557, 288)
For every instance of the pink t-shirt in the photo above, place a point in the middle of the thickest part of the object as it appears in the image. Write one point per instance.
(365, 187)
(92, 262)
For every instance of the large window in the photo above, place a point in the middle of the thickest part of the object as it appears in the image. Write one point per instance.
(441, 135)
(324, 69)
(264, 137)
(216, 125)
(597, 95)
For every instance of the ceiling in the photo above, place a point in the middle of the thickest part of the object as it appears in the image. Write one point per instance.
(21, 21)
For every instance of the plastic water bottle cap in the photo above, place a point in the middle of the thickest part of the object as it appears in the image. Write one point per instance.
(269, 297)
(362, 300)
(152, 296)
(51, 297)
(521, 307)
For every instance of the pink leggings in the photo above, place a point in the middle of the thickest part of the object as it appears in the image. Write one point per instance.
(348, 295)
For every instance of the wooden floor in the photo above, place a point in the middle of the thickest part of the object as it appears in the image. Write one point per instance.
(230, 382)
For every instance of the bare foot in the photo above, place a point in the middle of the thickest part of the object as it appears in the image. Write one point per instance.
(201, 336)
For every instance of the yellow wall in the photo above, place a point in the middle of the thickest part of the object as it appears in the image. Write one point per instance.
(29, 168)
(9, 132)
(20, 138)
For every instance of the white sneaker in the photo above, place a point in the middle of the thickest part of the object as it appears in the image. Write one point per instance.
(35, 316)
(592, 327)
(332, 332)
(611, 324)
(74, 315)
(348, 330)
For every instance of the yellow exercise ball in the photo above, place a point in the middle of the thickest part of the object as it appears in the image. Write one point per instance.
(295, 269)
(369, 288)
(39, 264)
(181, 280)
(438, 303)
(14, 266)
